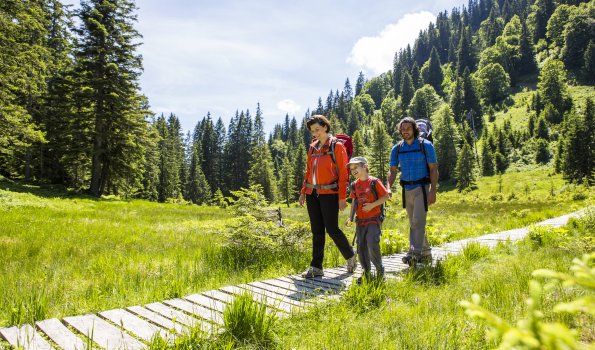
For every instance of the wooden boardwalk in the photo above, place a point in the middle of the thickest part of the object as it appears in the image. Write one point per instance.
(134, 326)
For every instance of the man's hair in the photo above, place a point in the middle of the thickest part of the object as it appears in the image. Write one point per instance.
(410, 120)
(320, 120)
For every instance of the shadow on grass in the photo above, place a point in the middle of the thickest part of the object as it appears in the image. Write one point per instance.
(44, 190)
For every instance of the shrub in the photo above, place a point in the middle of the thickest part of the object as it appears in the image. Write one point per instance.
(393, 242)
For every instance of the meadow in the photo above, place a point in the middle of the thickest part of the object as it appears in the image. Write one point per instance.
(63, 253)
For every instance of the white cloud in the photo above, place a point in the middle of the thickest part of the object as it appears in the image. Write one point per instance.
(376, 53)
(288, 106)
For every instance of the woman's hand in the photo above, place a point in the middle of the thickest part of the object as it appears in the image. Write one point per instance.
(342, 204)
(302, 198)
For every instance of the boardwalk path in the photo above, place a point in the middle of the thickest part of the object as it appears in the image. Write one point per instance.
(133, 327)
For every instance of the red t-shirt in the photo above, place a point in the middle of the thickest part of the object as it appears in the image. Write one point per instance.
(363, 194)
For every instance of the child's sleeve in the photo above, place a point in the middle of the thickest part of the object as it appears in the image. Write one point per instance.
(380, 189)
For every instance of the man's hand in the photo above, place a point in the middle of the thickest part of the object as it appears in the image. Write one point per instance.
(390, 193)
(342, 204)
(302, 198)
(431, 197)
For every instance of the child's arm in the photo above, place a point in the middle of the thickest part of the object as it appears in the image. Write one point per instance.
(379, 201)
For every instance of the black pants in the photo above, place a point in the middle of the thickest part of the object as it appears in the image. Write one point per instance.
(323, 210)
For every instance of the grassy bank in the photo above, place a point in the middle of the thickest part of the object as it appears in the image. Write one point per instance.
(423, 308)
(63, 253)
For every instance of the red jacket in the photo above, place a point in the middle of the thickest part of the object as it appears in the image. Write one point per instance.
(321, 170)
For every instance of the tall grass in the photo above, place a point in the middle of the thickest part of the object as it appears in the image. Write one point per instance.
(420, 314)
(63, 253)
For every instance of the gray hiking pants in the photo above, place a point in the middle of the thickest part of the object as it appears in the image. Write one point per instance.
(418, 242)
(368, 247)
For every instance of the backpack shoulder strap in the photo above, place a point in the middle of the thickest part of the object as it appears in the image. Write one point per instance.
(423, 151)
(373, 187)
(332, 149)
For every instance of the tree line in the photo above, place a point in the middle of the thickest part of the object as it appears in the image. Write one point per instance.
(71, 110)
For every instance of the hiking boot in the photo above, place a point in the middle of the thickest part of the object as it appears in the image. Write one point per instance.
(407, 260)
(312, 272)
(351, 264)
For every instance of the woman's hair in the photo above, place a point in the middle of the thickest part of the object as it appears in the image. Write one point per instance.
(410, 120)
(319, 119)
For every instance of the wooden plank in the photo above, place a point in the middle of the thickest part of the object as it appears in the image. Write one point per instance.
(316, 284)
(179, 316)
(26, 337)
(272, 303)
(315, 289)
(304, 292)
(326, 282)
(197, 310)
(220, 295)
(273, 295)
(158, 319)
(60, 334)
(135, 325)
(288, 293)
(103, 333)
(207, 302)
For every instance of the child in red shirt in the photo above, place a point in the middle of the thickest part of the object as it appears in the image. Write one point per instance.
(367, 202)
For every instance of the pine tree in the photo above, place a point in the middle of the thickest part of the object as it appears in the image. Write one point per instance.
(457, 101)
(578, 163)
(472, 104)
(435, 75)
(416, 76)
(23, 58)
(299, 167)
(210, 150)
(407, 90)
(359, 84)
(286, 181)
(445, 142)
(109, 68)
(197, 187)
(261, 164)
(465, 55)
(542, 152)
(169, 171)
(380, 150)
(465, 168)
(541, 130)
(487, 161)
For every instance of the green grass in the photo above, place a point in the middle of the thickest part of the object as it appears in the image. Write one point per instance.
(63, 253)
(421, 311)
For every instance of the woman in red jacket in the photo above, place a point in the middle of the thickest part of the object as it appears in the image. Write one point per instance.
(324, 191)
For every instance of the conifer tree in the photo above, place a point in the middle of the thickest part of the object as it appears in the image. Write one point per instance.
(359, 147)
(210, 150)
(465, 168)
(445, 142)
(219, 155)
(407, 90)
(299, 167)
(150, 174)
(487, 161)
(23, 58)
(380, 150)
(416, 76)
(465, 55)
(359, 84)
(457, 100)
(542, 152)
(197, 187)
(541, 130)
(435, 75)
(578, 163)
(472, 104)
(286, 181)
(261, 164)
(169, 167)
(109, 67)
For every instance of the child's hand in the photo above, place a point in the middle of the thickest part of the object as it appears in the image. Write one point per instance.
(367, 207)
(348, 222)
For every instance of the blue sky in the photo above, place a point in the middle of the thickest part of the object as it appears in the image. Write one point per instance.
(222, 56)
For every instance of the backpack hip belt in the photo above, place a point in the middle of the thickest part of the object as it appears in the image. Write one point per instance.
(423, 182)
(359, 222)
(323, 187)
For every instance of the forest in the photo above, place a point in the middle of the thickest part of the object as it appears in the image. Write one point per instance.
(72, 112)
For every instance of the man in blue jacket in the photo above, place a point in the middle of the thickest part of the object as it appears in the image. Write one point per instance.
(415, 158)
